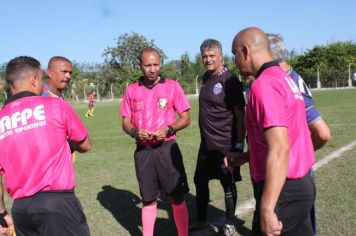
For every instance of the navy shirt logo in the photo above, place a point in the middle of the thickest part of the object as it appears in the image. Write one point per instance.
(217, 88)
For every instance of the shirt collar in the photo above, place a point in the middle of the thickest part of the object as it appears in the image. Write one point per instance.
(265, 66)
(220, 73)
(50, 91)
(141, 81)
(18, 96)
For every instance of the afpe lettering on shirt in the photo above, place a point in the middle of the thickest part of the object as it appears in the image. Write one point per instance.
(21, 121)
(35, 155)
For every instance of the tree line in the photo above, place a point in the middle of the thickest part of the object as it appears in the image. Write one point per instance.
(334, 63)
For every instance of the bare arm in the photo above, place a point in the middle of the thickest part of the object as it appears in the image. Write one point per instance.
(2, 203)
(182, 122)
(5, 230)
(276, 173)
(237, 159)
(83, 146)
(320, 133)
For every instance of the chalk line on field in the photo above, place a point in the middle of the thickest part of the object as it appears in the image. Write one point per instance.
(249, 205)
(335, 154)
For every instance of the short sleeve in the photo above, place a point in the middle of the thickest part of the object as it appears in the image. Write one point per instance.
(181, 103)
(234, 93)
(76, 130)
(269, 102)
(125, 108)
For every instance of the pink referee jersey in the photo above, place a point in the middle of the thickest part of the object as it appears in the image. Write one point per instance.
(35, 155)
(275, 100)
(153, 108)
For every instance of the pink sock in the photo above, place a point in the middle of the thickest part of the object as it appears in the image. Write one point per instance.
(180, 213)
(149, 214)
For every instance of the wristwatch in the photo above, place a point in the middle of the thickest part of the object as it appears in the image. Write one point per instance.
(3, 222)
(170, 131)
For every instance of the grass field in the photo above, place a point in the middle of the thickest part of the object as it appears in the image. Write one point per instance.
(108, 190)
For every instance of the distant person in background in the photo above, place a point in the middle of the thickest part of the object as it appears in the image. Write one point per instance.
(222, 131)
(59, 72)
(280, 147)
(320, 131)
(35, 156)
(148, 111)
(91, 100)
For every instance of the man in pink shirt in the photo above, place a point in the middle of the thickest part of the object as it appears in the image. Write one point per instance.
(35, 156)
(280, 148)
(148, 111)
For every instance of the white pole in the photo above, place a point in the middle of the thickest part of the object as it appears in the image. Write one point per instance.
(196, 85)
(318, 84)
(350, 82)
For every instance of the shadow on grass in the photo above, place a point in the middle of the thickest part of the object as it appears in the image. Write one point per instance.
(125, 206)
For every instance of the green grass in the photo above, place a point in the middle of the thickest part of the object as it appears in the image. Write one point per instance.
(108, 190)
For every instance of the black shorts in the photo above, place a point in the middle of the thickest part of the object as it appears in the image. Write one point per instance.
(54, 213)
(210, 165)
(160, 167)
(293, 207)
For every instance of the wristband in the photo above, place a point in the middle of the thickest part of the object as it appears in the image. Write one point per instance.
(239, 147)
(3, 222)
(2, 215)
(170, 131)
(133, 132)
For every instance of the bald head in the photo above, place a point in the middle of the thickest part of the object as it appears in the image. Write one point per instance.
(253, 37)
(251, 49)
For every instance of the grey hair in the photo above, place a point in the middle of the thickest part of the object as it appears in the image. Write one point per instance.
(210, 43)
(277, 46)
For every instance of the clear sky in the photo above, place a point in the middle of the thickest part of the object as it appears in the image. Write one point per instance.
(82, 29)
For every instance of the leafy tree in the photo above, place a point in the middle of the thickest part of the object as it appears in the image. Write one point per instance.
(199, 66)
(121, 65)
(128, 47)
(171, 69)
(332, 60)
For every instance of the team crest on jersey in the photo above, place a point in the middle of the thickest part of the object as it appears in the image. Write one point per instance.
(217, 88)
(162, 103)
